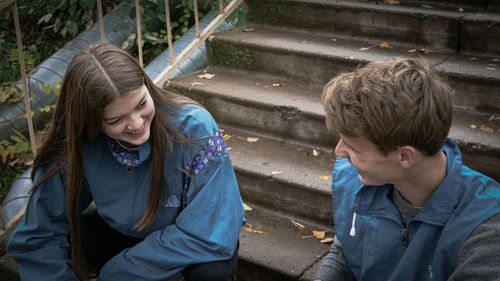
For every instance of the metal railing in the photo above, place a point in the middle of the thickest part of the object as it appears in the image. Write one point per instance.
(201, 36)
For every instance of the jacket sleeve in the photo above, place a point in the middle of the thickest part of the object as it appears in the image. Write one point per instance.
(40, 244)
(479, 257)
(334, 266)
(207, 229)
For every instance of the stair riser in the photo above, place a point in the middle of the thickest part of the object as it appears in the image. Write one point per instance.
(286, 123)
(310, 129)
(303, 204)
(250, 271)
(438, 31)
(475, 94)
(475, 31)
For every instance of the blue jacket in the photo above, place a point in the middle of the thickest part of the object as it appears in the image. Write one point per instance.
(382, 248)
(198, 220)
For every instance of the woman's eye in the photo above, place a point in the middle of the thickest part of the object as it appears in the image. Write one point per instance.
(142, 104)
(114, 122)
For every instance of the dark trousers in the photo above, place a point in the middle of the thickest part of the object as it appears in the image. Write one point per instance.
(100, 243)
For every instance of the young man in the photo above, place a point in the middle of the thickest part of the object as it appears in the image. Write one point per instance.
(405, 207)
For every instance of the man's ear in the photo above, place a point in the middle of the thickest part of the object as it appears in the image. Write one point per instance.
(407, 156)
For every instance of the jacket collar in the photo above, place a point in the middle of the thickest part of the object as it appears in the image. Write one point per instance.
(375, 200)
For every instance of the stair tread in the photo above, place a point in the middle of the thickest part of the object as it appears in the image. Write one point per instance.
(282, 248)
(286, 40)
(240, 85)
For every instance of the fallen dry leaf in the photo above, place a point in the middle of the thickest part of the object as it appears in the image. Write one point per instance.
(473, 126)
(384, 45)
(250, 139)
(196, 83)
(246, 207)
(248, 29)
(427, 6)
(492, 64)
(490, 68)
(412, 51)
(364, 49)
(206, 76)
(319, 234)
(246, 229)
(496, 60)
(273, 85)
(472, 58)
(226, 137)
(276, 173)
(427, 51)
(324, 177)
(315, 152)
(210, 38)
(494, 118)
(461, 10)
(391, 2)
(259, 231)
(308, 236)
(298, 225)
(250, 229)
(486, 129)
(327, 240)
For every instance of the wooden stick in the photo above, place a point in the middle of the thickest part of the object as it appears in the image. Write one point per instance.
(196, 20)
(165, 74)
(169, 32)
(25, 83)
(139, 33)
(221, 6)
(5, 3)
(101, 21)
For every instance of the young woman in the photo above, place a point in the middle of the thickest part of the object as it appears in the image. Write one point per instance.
(156, 167)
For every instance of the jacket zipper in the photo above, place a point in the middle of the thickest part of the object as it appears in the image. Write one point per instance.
(129, 167)
(405, 237)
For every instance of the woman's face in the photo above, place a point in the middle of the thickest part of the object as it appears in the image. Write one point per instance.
(128, 118)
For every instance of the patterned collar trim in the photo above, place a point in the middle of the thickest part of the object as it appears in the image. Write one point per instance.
(123, 154)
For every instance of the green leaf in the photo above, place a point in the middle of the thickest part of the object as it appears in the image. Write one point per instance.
(56, 89)
(46, 88)
(45, 108)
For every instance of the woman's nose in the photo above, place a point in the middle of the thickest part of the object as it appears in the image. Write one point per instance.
(135, 122)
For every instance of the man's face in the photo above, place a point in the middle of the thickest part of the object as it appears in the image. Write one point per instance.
(374, 168)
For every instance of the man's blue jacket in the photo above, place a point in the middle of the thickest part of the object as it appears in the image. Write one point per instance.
(376, 243)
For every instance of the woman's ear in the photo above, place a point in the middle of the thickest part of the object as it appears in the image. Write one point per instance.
(407, 156)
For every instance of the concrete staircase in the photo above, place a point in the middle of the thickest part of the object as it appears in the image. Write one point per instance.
(267, 85)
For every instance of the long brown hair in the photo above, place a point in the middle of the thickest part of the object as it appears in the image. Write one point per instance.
(94, 78)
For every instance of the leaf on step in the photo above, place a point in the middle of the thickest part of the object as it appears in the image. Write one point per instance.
(460, 9)
(298, 225)
(315, 152)
(486, 129)
(494, 118)
(427, 51)
(247, 208)
(226, 137)
(412, 51)
(384, 45)
(473, 58)
(325, 178)
(327, 240)
(490, 68)
(196, 83)
(364, 49)
(473, 126)
(308, 236)
(495, 60)
(319, 234)
(276, 173)
(391, 2)
(248, 29)
(428, 6)
(206, 76)
(273, 85)
(250, 139)
(250, 229)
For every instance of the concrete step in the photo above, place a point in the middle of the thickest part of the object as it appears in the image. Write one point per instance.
(292, 112)
(286, 179)
(411, 25)
(283, 252)
(316, 59)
